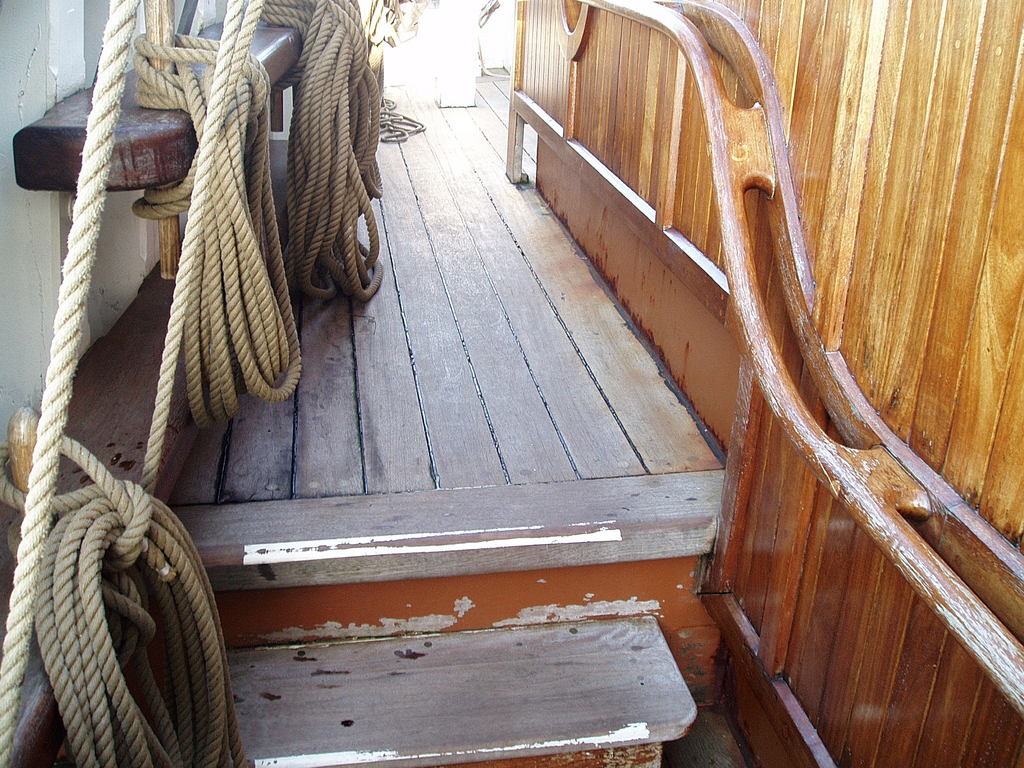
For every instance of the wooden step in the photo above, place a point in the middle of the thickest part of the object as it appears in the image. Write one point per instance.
(349, 539)
(463, 697)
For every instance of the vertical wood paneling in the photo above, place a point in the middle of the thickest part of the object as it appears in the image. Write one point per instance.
(907, 141)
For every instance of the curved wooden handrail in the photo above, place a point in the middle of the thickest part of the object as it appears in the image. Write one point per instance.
(747, 150)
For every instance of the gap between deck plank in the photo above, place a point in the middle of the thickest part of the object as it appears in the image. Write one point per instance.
(396, 454)
(596, 442)
(462, 447)
(531, 447)
(649, 408)
(328, 459)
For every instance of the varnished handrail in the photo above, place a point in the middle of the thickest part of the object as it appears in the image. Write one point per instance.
(747, 149)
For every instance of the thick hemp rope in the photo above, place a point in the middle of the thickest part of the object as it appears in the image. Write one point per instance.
(115, 546)
(332, 166)
(241, 325)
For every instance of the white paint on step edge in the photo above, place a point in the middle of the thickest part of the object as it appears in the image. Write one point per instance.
(332, 549)
(633, 733)
(542, 614)
(334, 630)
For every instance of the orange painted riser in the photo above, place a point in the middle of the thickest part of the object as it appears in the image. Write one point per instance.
(662, 588)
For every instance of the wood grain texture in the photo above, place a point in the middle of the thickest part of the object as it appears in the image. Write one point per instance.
(463, 451)
(152, 147)
(574, 335)
(640, 756)
(462, 697)
(328, 444)
(868, 110)
(448, 532)
(710, 743)
(259, 464)
(396, 456)
(517, 408)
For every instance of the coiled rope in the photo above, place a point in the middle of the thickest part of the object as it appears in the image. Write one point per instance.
(241, 324)
(332, 166)
(89, 581)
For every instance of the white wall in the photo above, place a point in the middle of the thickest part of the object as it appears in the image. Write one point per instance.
(48, 49)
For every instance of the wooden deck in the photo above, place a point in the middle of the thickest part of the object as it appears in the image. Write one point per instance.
(492, 354)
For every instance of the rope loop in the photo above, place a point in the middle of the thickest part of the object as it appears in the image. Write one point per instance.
(241, 327)
(332, 165)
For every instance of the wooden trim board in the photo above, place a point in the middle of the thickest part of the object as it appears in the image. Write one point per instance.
(683, 258)
(788, 719)
(456, 532)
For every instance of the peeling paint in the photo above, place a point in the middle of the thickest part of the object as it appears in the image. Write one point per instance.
(632, 733)
(540, 614)
(333, 630)
(463, 605)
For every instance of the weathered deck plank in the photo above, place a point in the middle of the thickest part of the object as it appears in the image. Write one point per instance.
(328, 457)
(395, 453)
(462, 449)
(456, 532)
(491, 354)
(461, 697)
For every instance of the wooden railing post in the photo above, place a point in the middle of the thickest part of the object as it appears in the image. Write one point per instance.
(160, 31)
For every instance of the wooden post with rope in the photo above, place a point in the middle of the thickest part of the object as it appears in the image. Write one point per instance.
(160, 31)
(21, 441)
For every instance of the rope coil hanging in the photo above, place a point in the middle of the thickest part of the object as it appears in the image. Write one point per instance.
(332, 166)
(90, 581)
(241, 325)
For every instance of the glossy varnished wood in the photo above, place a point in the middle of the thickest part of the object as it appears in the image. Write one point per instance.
(847, 94)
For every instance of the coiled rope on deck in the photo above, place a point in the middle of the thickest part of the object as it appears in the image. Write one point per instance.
(89, 580)
(332, 166)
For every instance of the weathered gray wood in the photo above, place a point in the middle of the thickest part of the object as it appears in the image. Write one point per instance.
(395, 454)
(527, 439)
(197, 483)
(497, 100)
(456, 532)
(259, 454)
(328, 459)
(461, 697)
(658, 424)
(461, 446)
(595, 440)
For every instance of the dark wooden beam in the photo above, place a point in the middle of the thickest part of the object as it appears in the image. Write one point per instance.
(152, 147)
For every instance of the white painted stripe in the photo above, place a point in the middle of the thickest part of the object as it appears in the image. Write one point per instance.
(353, 540)
(634, 733)
(333, 549)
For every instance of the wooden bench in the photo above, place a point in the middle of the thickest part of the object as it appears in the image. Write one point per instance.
(152, 147)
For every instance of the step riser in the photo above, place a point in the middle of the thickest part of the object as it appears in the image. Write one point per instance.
(662, 588)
